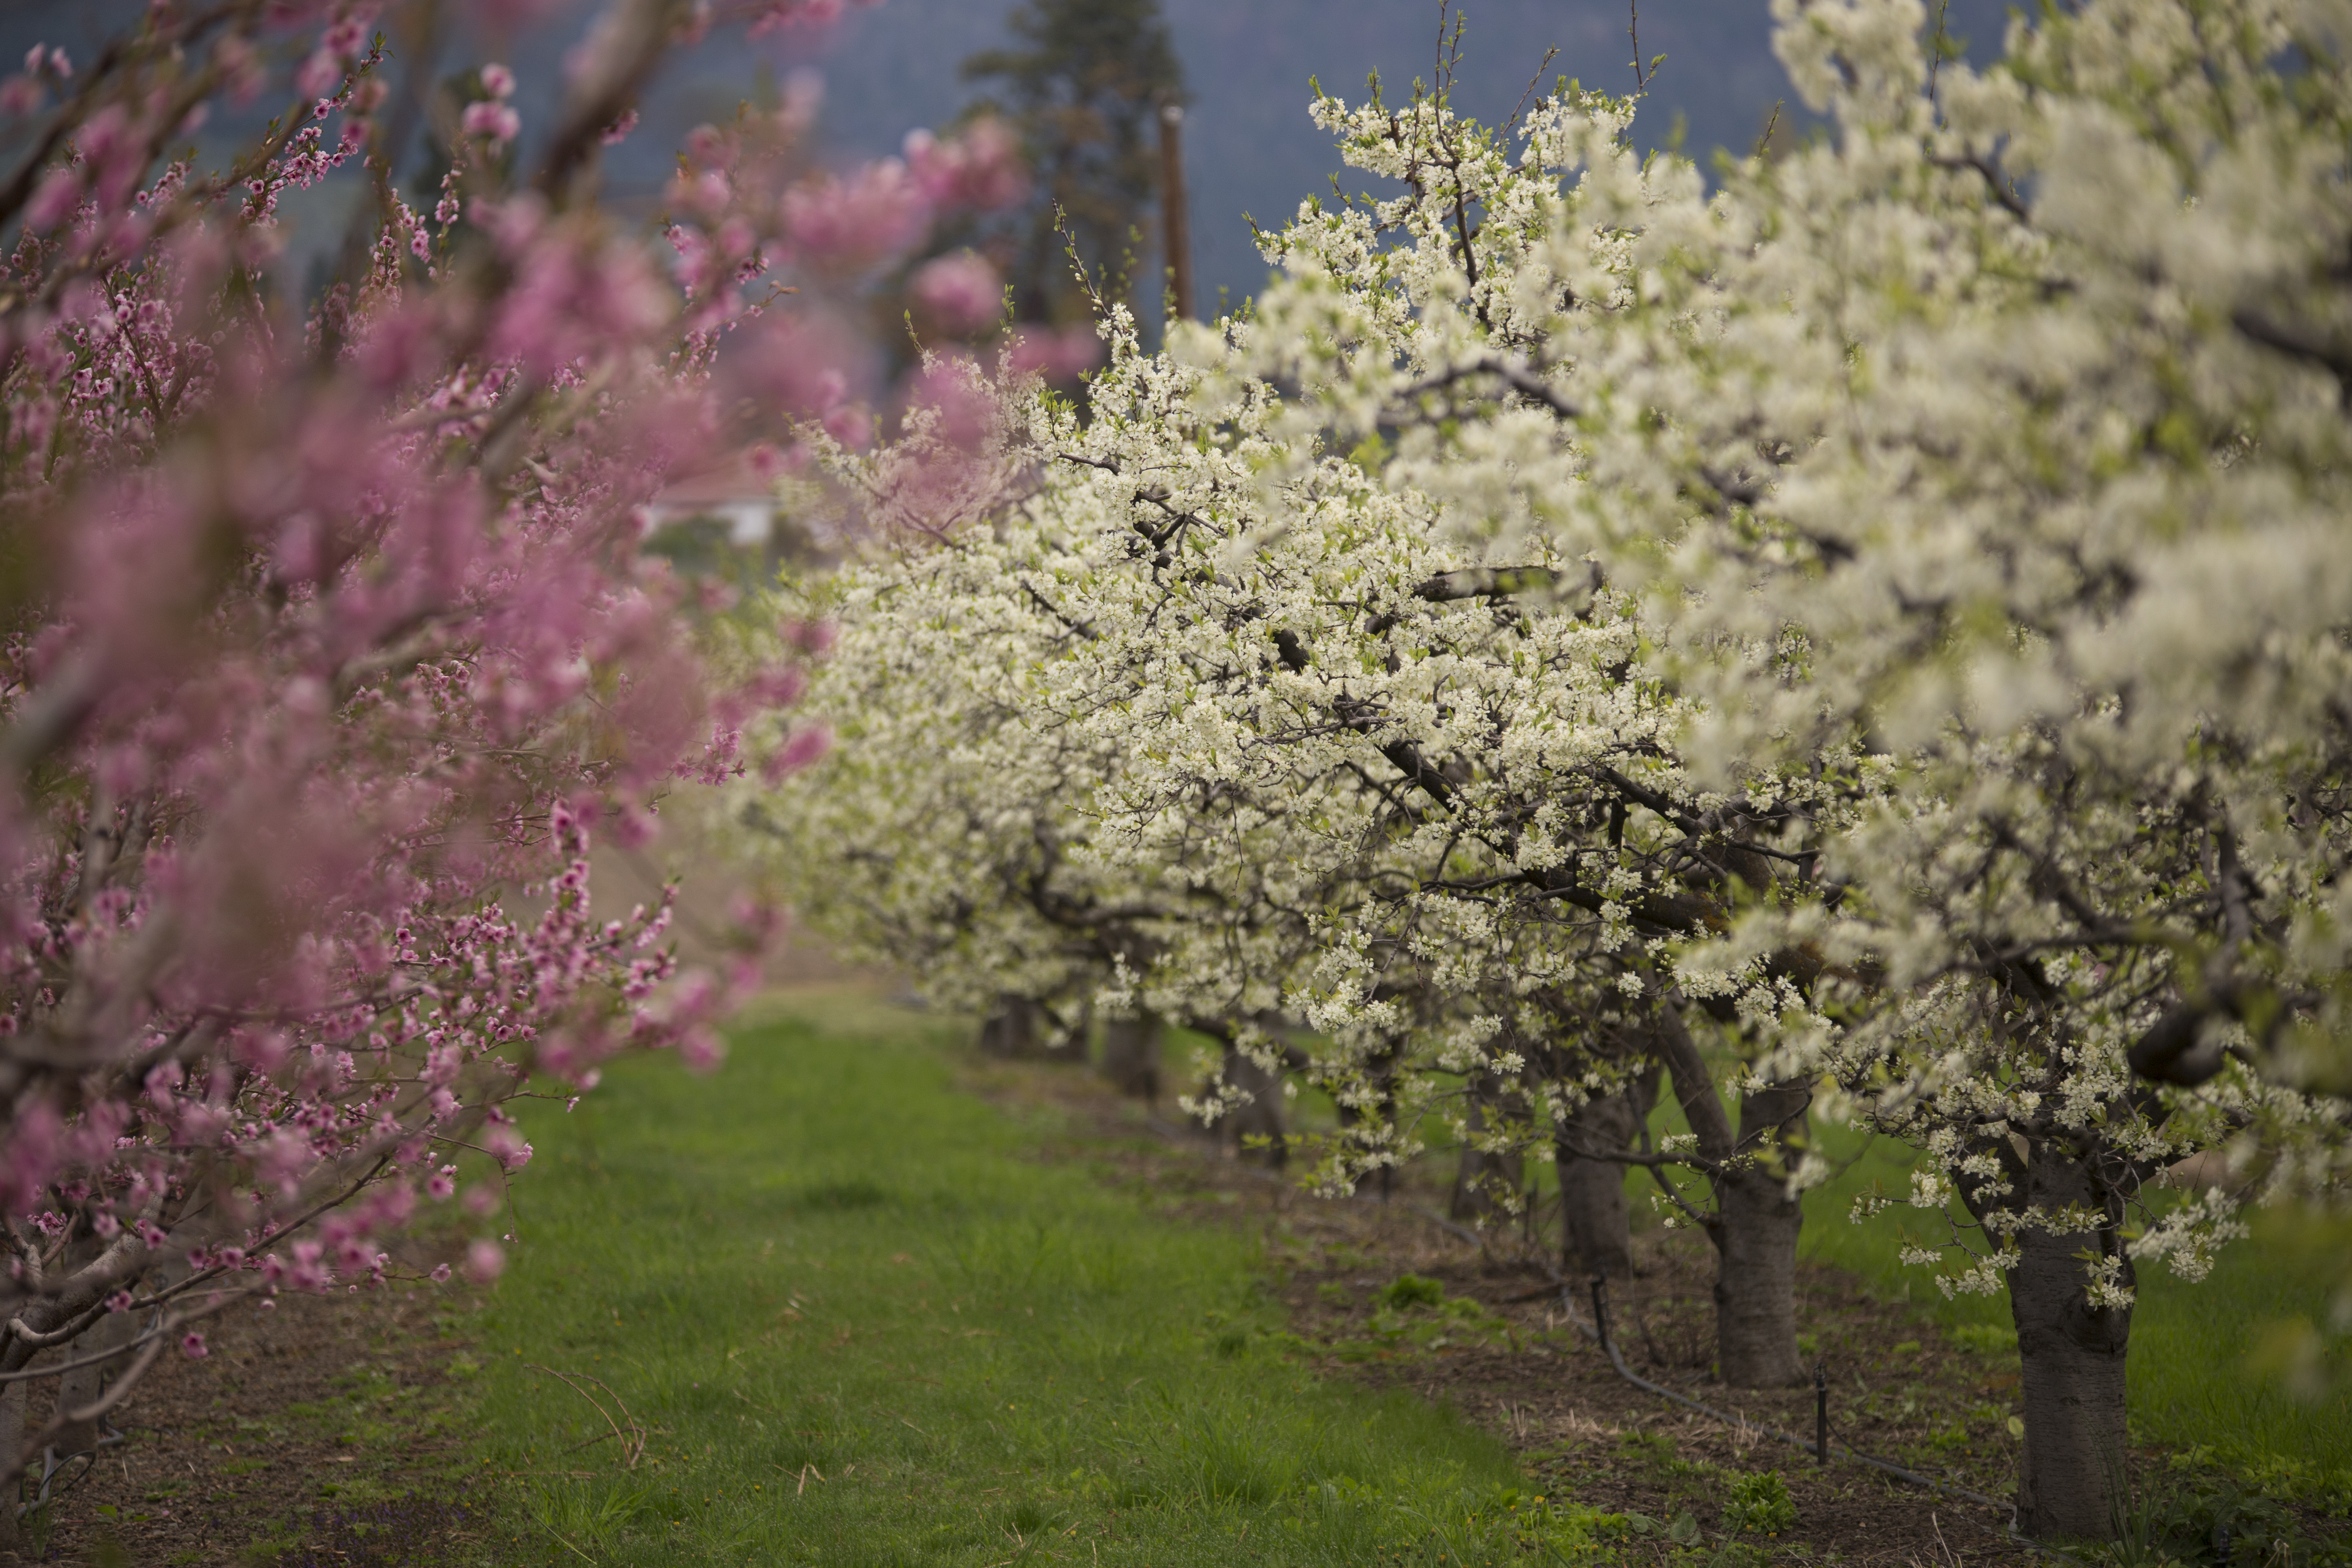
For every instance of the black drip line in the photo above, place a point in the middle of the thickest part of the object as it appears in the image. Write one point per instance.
(1820, 1445)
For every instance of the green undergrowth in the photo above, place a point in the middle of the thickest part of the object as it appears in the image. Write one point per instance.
(851, 1321)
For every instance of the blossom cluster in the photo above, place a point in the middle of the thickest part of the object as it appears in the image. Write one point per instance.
(328, 640)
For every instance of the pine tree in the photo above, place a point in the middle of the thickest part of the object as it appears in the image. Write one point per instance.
(1082, 87)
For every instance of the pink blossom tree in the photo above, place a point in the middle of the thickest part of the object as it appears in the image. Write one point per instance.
(324, 633)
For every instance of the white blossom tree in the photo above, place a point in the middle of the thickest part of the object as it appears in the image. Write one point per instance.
(1878, 625)
(1977, 471)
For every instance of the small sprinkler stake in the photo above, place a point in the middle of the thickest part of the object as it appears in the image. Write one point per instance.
(1821, 1413)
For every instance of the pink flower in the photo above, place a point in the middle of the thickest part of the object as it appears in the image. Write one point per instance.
(982, 168)
(815, 14)
(495, 120)
(505, 1145)
(498, 81)
(803, 367)
(701, 1048)
(54, 199)
(440, 1275)
(320, 74)
(877, 212)
(960, 292)
(1057, 355)
(805, 747)
(192, 1345)
(956, 402)
(485, 1261)
(852, 427)
(778, 687)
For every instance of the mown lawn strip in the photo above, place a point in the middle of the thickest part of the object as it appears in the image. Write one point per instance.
(854, 1323)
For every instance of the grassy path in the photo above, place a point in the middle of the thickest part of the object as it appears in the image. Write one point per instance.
(859, 1327)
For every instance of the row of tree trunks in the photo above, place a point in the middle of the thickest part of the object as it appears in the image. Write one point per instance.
(2073, 1352)
(2071, 1472)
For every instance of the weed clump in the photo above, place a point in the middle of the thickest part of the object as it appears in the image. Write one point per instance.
(1759, 1504)
(1413, 1291)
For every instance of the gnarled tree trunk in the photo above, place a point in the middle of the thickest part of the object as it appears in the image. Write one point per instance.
(1483, 1176)
(1257, 1127)
(1131, 1057)
(81, 1387)
(2070, 1474)
(1755, 1236)
(1065, 1042)
(1011, 1031)
(12, 1445)
(1596, 1230)
(1755, 1223)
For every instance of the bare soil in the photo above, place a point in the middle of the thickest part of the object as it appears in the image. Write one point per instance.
(322, 1430)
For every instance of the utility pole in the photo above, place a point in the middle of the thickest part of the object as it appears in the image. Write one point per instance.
(1175, 228)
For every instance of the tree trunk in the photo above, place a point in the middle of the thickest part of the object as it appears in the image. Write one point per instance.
(12, 1442)
(1011, 1032)
(2069, 1477)
(1596, 1231)
(1482, 1177)
(1755, 1223)
(1061, 1042)
(1378, 1071)
(83, 1386)
(1756, 1247)
(1261, 1118)
(1131, 1057)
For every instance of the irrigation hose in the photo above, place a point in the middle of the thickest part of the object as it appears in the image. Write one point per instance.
(1819, 1446)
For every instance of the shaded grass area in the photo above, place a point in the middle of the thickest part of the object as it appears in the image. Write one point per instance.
(851, 1323)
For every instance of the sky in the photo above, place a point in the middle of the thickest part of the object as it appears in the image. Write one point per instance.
(1250, 147)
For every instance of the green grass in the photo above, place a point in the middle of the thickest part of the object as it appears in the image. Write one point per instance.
(2190, 1386)
(862, 1324)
